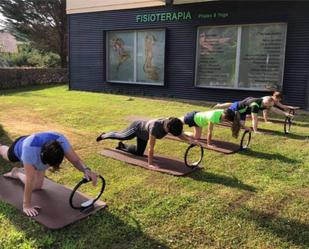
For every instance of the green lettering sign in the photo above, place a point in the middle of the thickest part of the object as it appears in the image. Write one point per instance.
(212, 15)
(164, 17)
(177, 16)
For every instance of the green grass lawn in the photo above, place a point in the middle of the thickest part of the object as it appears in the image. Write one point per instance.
(253, 199)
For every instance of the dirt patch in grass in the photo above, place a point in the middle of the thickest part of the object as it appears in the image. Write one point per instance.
(28, 123)
(301, 192)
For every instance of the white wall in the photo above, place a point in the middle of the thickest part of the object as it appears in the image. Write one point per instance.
(82, 6)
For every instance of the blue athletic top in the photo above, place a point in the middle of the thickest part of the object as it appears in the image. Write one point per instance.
(28, 149)
(248, 105)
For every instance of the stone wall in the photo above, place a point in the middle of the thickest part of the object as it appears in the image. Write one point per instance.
(19, 77)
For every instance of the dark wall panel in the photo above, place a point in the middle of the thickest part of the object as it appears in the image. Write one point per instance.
(87, 52)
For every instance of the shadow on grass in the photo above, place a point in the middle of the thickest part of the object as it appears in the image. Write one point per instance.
(268, 156)
(290, 230)
(300, 120)
(282, 134)
(305, 125)
(297, 123)
(228, 181)
(101, 230)
(24, 90)
(280, 122)
(292, 135)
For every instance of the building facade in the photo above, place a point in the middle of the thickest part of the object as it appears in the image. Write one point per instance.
(212, 50)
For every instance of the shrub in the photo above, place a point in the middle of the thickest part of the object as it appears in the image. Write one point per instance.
(28, 56)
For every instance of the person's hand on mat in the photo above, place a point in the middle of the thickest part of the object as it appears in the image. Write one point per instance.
(89, 175)
(211, 146)
(258, 132)
(31, 211)
(268, 122)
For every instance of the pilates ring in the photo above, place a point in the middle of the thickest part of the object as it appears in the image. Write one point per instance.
(292, 111)
(288, 122)
(199, 159)
(87, 205)
(287, 125)
(245, 140)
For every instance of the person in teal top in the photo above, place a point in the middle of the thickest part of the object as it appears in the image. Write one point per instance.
(199, 120)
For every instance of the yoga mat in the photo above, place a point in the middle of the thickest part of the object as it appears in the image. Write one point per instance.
(275, 121)
(219, 146)
(267, 131)
(53, 198)
(166, 165)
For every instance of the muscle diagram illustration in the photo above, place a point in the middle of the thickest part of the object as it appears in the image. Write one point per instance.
(149, 69)
(208, 45)
(122, 53)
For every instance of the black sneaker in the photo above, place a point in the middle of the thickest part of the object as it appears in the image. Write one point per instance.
(99, 138)
(120, 146)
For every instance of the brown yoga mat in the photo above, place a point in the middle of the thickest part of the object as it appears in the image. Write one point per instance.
(166, 165)
(275, 121)
(268, 131)
(55, 212)
(219, 146)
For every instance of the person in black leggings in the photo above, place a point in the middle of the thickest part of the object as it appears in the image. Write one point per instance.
(145, 131)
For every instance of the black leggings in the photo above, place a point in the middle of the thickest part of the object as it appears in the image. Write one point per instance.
(128, 134)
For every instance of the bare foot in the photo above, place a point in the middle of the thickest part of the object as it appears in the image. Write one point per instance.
(211, 146)
(12, 173)
(153, 166)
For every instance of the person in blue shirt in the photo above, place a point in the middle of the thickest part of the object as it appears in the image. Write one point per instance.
(37, 153)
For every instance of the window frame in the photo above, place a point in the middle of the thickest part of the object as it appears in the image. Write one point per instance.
(237, 59)
(137, 83)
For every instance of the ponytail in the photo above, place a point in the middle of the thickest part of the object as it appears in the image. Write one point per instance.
(234, 118)
(236, 125)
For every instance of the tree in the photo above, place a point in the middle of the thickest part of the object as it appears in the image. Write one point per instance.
(42, 22)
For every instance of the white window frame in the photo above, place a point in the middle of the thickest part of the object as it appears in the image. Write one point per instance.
(237, 62)
(135, 50)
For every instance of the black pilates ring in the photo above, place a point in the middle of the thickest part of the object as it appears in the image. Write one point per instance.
(292, 111)
(91, 204)
(244, 145)
(196, 163)
(287, 125)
